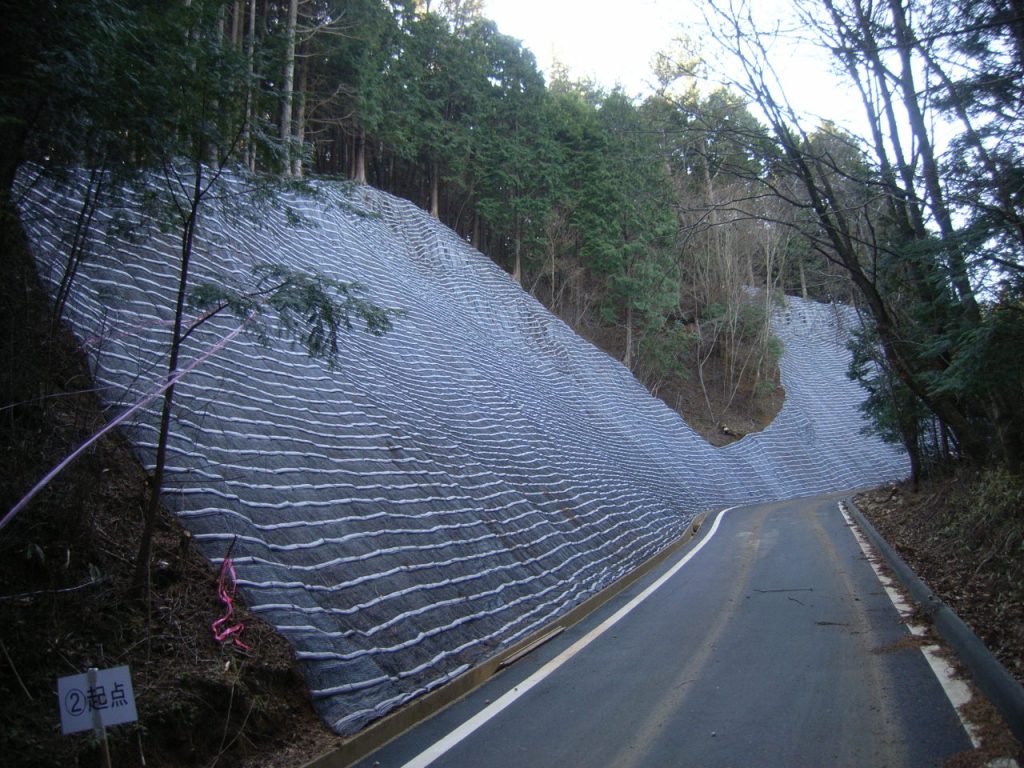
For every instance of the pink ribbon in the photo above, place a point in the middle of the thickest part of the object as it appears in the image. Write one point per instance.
(179, 374)
(227, 596)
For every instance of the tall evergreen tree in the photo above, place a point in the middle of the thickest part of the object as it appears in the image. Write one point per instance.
(924, 298)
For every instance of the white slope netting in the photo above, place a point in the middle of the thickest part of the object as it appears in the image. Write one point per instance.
(441, 491)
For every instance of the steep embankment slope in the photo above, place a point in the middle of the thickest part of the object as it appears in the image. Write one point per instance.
(444, 490)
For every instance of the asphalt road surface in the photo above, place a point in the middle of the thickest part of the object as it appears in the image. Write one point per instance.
(767, 641)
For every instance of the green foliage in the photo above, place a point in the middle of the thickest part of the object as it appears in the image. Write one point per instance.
(989, 357)
(311, 308)
(988, 518)
(882, 406)
(894, 413)
(930, 239)
(121, 86)
(620, 201)
(316, 308)
(453, 108)
(58, 66)
(753, 318)
(765, 387)
(774, 349)
(999, 497)
(668, 353)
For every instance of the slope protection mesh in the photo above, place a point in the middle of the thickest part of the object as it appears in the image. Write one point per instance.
(439, 492)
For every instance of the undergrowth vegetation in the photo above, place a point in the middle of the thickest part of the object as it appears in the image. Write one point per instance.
(962, 532)
(67, 571)
(990, 520)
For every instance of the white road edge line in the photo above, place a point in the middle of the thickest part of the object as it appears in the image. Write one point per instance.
(957, 691)
(439, 747)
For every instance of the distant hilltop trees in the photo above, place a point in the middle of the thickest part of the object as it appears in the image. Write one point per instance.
(643, 223)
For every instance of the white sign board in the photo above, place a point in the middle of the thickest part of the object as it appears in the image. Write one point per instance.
(97, 698)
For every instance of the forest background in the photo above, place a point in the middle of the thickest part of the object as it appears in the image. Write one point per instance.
(664, 229)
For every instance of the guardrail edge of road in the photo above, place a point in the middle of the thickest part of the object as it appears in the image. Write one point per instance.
(988, 673)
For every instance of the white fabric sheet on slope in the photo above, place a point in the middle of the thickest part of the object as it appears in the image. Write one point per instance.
(441, 491)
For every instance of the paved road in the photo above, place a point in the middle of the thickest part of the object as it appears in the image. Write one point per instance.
(773, 644)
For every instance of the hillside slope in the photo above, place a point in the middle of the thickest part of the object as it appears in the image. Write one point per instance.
(439, 492)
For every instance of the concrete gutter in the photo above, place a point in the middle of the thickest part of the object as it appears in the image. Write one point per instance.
(380, 732)
(991, 677)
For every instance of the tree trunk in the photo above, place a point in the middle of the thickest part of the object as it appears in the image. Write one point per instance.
(77, 249)
(359, 156)
(552, 249)
(970, 440)
(627, 359)
(435, 191)
(141, 579)
(300, 122)
(517, 250)
(829, 213)
(250, 47)
(929, 165)
(236, 23)
(287, 87)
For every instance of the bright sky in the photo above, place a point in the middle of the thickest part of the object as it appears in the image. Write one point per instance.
(614, 43)
(611, 42)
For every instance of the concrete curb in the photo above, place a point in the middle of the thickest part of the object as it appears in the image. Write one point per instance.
(994, 680)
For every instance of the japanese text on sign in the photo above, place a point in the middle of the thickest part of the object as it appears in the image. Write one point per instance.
(102, 698)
